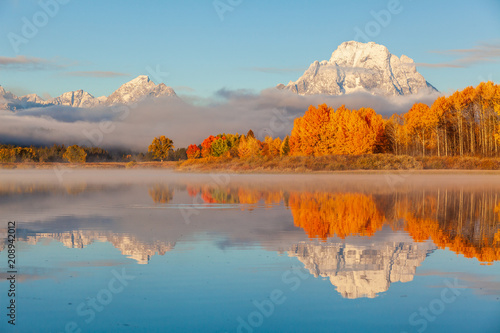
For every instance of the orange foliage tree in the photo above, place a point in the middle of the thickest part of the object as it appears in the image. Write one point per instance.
(323, 131)
(206, 146)
(421, 121)
(310, 135)
(193, 152)
(274, 146)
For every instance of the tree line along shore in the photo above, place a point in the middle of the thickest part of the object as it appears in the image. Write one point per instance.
(461, 131)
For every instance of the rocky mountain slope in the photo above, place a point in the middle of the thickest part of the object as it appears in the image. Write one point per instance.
(133, 91)
(139, 88)
(356, 67)
(77, 99)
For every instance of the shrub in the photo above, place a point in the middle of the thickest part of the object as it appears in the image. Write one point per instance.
(131, 164)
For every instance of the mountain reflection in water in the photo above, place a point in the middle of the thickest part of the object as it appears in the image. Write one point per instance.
(361, 233)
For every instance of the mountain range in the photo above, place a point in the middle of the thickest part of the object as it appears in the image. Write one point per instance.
(353, 67)
(361, 67)
(133, 91)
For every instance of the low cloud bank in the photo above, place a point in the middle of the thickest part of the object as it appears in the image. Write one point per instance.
(270, 112)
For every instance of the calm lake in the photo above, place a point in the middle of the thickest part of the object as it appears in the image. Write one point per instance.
(157, 251)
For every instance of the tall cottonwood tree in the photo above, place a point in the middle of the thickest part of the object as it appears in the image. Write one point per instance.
(465, 123)
(422, 121)
(160, 147)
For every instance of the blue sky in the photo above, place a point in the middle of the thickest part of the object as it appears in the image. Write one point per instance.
(99, 45)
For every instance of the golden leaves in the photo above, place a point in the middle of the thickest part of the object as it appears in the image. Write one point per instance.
(324, 131)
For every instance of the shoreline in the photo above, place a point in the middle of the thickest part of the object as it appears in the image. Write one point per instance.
(173, 167)
(377, 163)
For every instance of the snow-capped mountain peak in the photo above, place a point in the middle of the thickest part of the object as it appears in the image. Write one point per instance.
(77, 99)
(32, 98)
(356, 66)
(141, 79)
(137, 89)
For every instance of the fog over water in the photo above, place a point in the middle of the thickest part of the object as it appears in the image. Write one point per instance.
(368, 180)
(125, 195)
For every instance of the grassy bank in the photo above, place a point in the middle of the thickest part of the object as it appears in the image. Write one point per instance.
(303, 163)
(340, 163)
(290, 164)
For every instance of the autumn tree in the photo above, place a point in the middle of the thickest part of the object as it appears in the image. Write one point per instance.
(310, 134)
(233, 141)
(193, 152)
(396, 132)
(160, 147)
(75, 154)
(248, 147)
(460, 110)
(486, 102)
(295, 142)
(376, 126)
(220, 146)
(440, 108)
(7, 155)
(25, 154)
(206, 146)
(355, 132)
(422, 121)
(324, 131)
(274, 146)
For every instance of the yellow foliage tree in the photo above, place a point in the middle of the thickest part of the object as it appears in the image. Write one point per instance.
(421, 121)
(248, 147)
(7, 155)
(274, 146)
(75, 154)
(160, 147)
(25, 154)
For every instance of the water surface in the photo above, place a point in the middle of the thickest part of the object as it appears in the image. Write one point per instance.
(155, 251)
